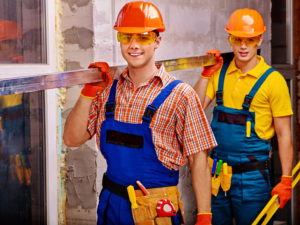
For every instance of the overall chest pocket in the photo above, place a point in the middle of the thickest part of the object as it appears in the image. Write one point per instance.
(124, 139)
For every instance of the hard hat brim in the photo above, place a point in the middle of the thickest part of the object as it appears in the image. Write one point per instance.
(136, 30)
(244, 34)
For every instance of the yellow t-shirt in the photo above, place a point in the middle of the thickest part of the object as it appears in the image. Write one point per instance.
(271, 100)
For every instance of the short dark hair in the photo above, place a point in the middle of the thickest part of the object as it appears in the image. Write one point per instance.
(156, 32)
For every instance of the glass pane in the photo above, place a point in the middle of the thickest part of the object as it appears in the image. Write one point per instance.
(22, 163)
(22, 26)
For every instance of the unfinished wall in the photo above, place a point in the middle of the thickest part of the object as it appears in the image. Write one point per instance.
(192, 28)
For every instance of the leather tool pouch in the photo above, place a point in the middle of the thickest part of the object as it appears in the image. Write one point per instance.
(145, 213)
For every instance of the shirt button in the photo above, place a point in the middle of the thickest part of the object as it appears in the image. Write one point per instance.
(171, 174)
(236, 89)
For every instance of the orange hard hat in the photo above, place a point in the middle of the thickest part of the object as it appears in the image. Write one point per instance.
(245, 23)
(10, 30)
(139, 17)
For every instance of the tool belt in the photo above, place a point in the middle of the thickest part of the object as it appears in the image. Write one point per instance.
(145, 213)
(251, 166)
(114, 188)
(224, 172)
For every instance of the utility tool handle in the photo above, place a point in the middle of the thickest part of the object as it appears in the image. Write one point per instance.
(132, 196)
(219, 167)
(214, 167)
(142, 187)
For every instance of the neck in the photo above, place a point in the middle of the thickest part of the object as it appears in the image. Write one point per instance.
(246, 66)
(140, 75)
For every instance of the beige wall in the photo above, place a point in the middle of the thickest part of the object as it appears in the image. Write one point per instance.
(192, 28)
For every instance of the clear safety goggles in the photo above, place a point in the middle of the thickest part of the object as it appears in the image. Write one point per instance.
(141, 38)
(251, 41)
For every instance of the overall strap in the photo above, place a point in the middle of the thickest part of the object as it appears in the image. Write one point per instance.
(151, 109)
(250, 96)
(219, 93)
(111, 104)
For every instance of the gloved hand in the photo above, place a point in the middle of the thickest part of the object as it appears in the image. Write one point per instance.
(284, 190)
(204, 219)
(90, 90)
(208, 71)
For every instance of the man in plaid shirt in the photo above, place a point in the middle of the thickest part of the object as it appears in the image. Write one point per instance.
(147, 125)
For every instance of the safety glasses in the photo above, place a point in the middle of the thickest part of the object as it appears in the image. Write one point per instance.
(141, 38)
(251, 41)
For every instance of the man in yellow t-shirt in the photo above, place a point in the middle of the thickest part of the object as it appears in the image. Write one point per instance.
(252, 104)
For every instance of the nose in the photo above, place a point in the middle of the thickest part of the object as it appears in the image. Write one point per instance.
(243, 45)
(133, 43)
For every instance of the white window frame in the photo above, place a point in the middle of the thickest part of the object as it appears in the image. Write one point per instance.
(9, 71)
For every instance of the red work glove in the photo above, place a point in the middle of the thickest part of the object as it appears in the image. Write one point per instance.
(284, 190)
(90, 90)
(204, 219)
(208, 71)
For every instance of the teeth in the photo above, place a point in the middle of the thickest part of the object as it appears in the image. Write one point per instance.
(134, 54)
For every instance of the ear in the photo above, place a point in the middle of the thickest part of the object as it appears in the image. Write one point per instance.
(260, 41)
(157, 42)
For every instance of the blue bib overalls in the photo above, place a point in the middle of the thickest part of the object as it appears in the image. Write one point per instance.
(249, 191)
(130, 155)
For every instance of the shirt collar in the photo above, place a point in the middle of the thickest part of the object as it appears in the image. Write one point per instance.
(159, 74)
(256, 71)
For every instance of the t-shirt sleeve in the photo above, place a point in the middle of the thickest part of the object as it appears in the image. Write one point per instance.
(280, 100)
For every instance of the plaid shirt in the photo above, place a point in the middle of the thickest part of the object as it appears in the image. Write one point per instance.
(179, 127)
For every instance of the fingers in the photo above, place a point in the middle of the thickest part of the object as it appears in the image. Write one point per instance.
(102, 66)
(214, 52)
(219, 60)
(108, 78)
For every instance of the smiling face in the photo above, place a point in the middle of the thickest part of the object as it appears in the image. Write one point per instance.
(139, 55)
(243, 51)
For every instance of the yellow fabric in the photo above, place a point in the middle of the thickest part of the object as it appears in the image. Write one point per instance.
(271, 100)
(204, 213)
(7, 101)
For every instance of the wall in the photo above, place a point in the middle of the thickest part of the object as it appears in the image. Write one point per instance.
(192, 28)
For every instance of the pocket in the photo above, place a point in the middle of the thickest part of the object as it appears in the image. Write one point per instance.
(124, 139)
(146, 213)
(255, 187)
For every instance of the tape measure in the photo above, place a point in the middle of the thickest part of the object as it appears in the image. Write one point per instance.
(165, 207)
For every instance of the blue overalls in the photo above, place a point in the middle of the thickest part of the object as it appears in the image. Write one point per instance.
(247, 153)
(130, 155)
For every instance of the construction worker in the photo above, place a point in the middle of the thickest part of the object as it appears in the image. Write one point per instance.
(252, 103)
(147, 124)
(15, 172)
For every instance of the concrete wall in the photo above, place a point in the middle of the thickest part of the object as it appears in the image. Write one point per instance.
(192, 28)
